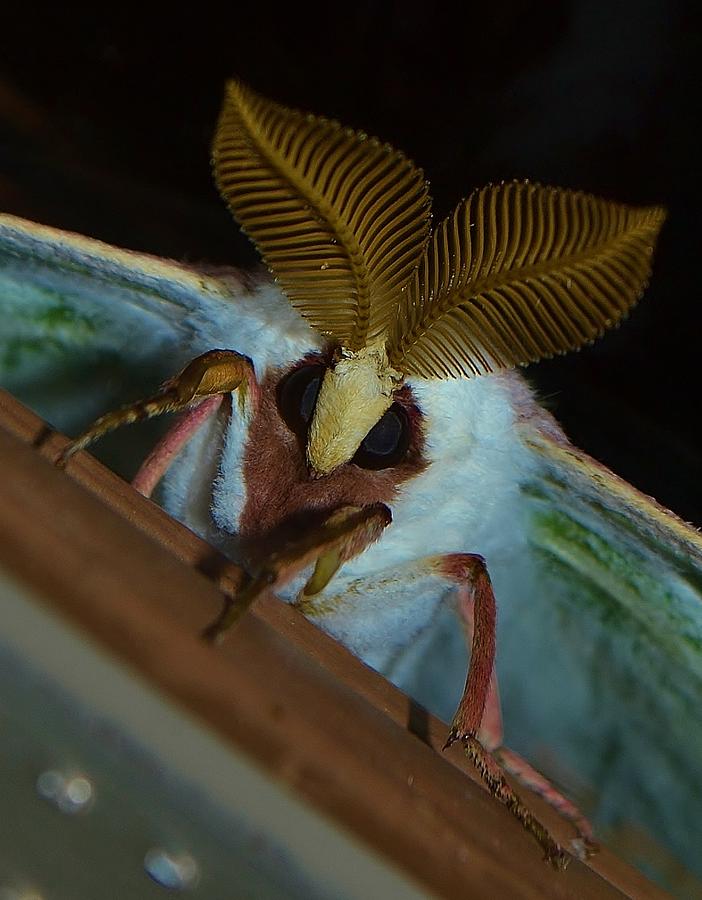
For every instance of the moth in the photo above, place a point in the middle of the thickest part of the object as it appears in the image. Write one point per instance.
(354, 432)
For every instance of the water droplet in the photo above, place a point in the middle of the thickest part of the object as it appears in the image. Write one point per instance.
(68, 793)
(50, 784)
(176, 872)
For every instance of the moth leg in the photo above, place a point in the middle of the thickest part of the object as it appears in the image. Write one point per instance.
(470, 573)
(490, 735)
(584, 845)
(341, 536)
(423, 577)
(156, 464)
(216, 372)
(490, 732)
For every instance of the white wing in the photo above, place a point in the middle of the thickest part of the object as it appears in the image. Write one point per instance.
(85, 326)
(609, 651)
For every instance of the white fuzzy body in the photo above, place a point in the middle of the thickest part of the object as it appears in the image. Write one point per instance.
(466, 500)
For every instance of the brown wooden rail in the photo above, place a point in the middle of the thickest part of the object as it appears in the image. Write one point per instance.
(341, 736)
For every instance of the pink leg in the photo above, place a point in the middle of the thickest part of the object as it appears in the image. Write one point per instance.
(477, 723)
(490, 734)
(584, 845)
(157, 462)
(470, 572)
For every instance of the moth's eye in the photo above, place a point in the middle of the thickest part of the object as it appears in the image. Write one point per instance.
(297, 395)
(387, 442)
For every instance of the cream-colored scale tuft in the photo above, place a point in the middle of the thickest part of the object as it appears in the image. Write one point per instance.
(354, 395)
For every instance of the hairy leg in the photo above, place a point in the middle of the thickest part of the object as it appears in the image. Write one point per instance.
(215, 373)
(380, 617)
(470, 573)
(340, 537)
(490, 734)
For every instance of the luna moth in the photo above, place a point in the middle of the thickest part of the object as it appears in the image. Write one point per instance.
(367, 396)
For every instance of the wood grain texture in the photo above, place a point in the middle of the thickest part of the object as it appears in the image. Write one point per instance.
(313, 716)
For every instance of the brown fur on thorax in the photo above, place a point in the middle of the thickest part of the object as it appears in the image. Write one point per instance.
(281, 497)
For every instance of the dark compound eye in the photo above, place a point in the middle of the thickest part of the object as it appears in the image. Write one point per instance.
(387, 442)
(297, 395)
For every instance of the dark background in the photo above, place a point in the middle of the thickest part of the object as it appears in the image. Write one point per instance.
(105, 124)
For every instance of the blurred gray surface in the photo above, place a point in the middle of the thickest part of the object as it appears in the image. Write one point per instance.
(143, 786)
